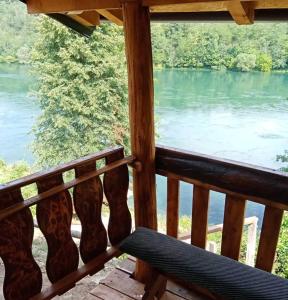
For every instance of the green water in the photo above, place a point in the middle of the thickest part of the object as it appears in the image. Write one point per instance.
(241, 116)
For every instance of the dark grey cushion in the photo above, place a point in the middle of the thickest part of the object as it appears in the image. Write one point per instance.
(221, 275)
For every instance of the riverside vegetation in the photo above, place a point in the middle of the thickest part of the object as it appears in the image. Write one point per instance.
(89, 70)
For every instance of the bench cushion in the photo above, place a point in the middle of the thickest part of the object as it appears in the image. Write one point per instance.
(220, 275)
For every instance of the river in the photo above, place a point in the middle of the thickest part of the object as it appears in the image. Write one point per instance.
(241, 116)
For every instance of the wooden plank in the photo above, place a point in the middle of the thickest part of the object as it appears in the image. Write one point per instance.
(88, 199)
(87, 18)
(56, 6)
(256, 183)
(91, 267)
(113, 15)
(106, 293)
(18, 183)
(60, 188)
(23, 278)
(141, 113)
(172, 207)
(233, 226)
(121, 282)
(54, 218)
(269, 238)
(199, 216)
(241, 12)
(116, 184)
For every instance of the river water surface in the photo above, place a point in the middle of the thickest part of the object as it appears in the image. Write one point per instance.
(240, 116)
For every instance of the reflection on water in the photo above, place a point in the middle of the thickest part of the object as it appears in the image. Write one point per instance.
(18, 111)
(241, 116)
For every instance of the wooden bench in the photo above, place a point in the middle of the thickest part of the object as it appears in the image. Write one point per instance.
(220, 275)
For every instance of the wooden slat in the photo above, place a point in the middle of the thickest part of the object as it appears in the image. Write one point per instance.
(172, 207)
(199, 216)
(56, 6)
(62, 187)
(106, 293)
(269, 237)
(88, 198)
(54, 218)
(87, 18)
(233, 226)
(257, 183)
(241, 12)
(113, 15)
(116, 184)
(23, 278)
(91, 267)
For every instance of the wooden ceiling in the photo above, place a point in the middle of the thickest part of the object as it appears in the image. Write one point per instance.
(89, 12)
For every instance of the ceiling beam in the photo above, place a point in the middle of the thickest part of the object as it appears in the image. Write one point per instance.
(63, 6)
(113, 15)
(87, 18)
(212, 6)
(241, 12)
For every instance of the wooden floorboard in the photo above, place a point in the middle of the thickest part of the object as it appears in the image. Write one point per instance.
(119, 284)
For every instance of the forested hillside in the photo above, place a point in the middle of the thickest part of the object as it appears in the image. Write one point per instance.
(261, 47)
(17, 32)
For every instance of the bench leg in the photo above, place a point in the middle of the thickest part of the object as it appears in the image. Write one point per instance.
(155, 288)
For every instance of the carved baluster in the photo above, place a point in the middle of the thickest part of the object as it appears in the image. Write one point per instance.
(54, 216)
(88, 199)
(23, 278)
(116, 184)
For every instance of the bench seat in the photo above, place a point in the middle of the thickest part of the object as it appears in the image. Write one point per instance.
(220, 275)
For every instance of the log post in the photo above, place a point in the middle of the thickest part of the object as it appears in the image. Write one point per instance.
(141, 113)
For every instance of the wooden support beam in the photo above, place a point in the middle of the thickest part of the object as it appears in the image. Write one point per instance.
(241, 12)
(113, 15)
(87, 18)
(141, 113)
(63, 6)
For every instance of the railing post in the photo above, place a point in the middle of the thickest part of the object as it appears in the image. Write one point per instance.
(141, 112)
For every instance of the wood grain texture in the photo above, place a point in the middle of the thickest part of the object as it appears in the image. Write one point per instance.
(62, 187)
(247, 180)
(172, 207)
(56, 6)
(269, 238)
(91, 267)
(141, 113)
(23, 277)
(54, 217)
(199, 216)
(233, 226)
(88, 199)
(116, 184)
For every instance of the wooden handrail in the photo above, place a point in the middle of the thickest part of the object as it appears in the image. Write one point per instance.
(263, 185)
(5, 213)
(21, 182)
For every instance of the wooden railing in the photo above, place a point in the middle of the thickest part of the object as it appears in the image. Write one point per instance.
(54, 215)
(239, 182)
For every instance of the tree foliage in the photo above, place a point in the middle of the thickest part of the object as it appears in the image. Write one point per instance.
(82, 92)
(282, 250)
(17, 32)
(260, 47)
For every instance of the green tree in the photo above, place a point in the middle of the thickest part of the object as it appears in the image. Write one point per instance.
(281, 268)
(82, 92)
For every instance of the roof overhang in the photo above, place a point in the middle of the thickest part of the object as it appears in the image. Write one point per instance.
(83, 16)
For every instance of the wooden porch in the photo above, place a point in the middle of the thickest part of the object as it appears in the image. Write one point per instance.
(119, 284)
(106, 174)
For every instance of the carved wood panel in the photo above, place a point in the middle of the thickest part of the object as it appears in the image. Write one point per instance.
(88, 199)
(23, 278)
(116, 184)
(54, 216)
